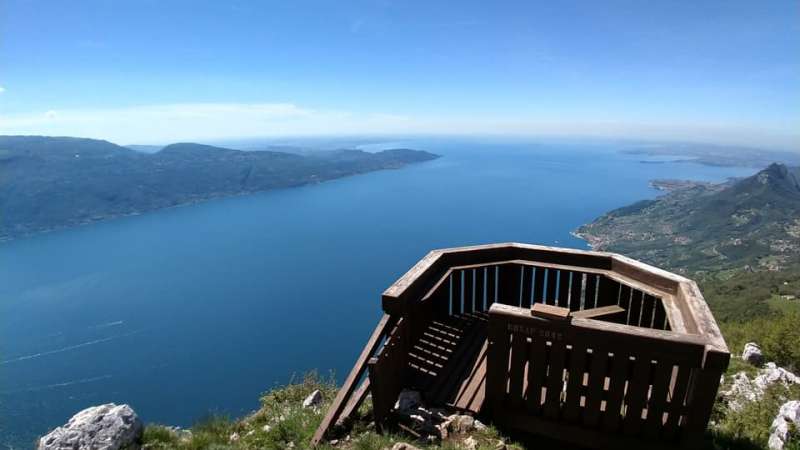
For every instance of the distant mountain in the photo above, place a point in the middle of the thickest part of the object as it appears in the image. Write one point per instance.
(752, 222)
(714, 155)
(54, 182)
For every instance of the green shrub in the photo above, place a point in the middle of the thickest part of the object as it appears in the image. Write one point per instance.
(749, 428)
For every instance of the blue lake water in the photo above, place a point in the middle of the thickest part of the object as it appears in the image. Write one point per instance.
(199, 309)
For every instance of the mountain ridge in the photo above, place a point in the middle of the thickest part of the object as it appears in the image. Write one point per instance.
(57, 182)
(709, 227)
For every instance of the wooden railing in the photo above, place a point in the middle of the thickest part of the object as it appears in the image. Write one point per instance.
(640, 355)
(469, 289)
(387, 372)
(595, 383)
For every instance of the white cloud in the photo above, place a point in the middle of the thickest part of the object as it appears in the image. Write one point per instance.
(160, 124)
(2, 89)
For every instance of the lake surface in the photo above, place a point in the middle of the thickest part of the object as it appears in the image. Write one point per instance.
(198, 310)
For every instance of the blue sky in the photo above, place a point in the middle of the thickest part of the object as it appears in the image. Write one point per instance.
(145, 71)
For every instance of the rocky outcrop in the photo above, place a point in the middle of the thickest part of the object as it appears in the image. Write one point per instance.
(432, 424)
(314, 400)
(788, 419)
(745, 390)
(104, 427)
(752, 354)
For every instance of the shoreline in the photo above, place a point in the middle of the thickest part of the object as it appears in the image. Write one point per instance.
(6, 238)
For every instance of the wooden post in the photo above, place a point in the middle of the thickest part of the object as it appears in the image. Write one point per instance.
(380, 401)
(702, 394)
(496, 363)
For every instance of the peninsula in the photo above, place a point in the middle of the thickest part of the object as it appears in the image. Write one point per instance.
(56, 182)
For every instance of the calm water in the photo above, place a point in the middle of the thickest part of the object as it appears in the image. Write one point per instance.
(199, 309)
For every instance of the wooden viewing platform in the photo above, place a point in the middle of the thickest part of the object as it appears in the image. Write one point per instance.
(590, 348)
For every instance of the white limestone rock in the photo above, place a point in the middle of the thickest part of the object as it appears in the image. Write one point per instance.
(460, 423)
(314, 400)
(103, 427)
(752, 354)
(788, 417)
(403, 446)
(745, 390)
(470, 443)
(771, 373)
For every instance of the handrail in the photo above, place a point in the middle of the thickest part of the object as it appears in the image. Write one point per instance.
(684, 304)
(340, 402)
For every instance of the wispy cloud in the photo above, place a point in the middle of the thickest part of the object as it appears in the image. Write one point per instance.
(2, 89)
(160, 124)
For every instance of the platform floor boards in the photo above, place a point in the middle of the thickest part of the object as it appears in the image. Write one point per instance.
(449, 362)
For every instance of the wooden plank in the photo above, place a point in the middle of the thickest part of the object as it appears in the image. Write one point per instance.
(491, 285)
(356, 373)
(527, 281)
(538, 285)
(658, 343)
(595, 313)
(648, 306)
(550, 312)
(469, 299)
(537, 369)
(677, 399)
(453, 374)
(519, 356)
(635, 312)
(379, 389)
(552, 286)
(455, 293)
(590, 292)
(576, 291)
(466, 397)
(555, 379)
(497, 364)
(658, 399)
(577, 369)
(563, 288)
(476, 406)
(616, 390)
(702, 393)
(573, 434)
(480, 287)
(597, 374)
(355, 401)
(637, 395)
(464, 375)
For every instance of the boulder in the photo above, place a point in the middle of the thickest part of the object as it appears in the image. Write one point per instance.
(741, 391)
(788, 418)
(771, 373)
(470, 443)
(104, 427)
(752, 354)
(314, 400)
(744, 390)
(403, 446)
(459, 423)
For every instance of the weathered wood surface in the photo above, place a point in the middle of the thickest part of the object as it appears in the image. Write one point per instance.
(627, 381)
(342, 397)
(638, 357)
